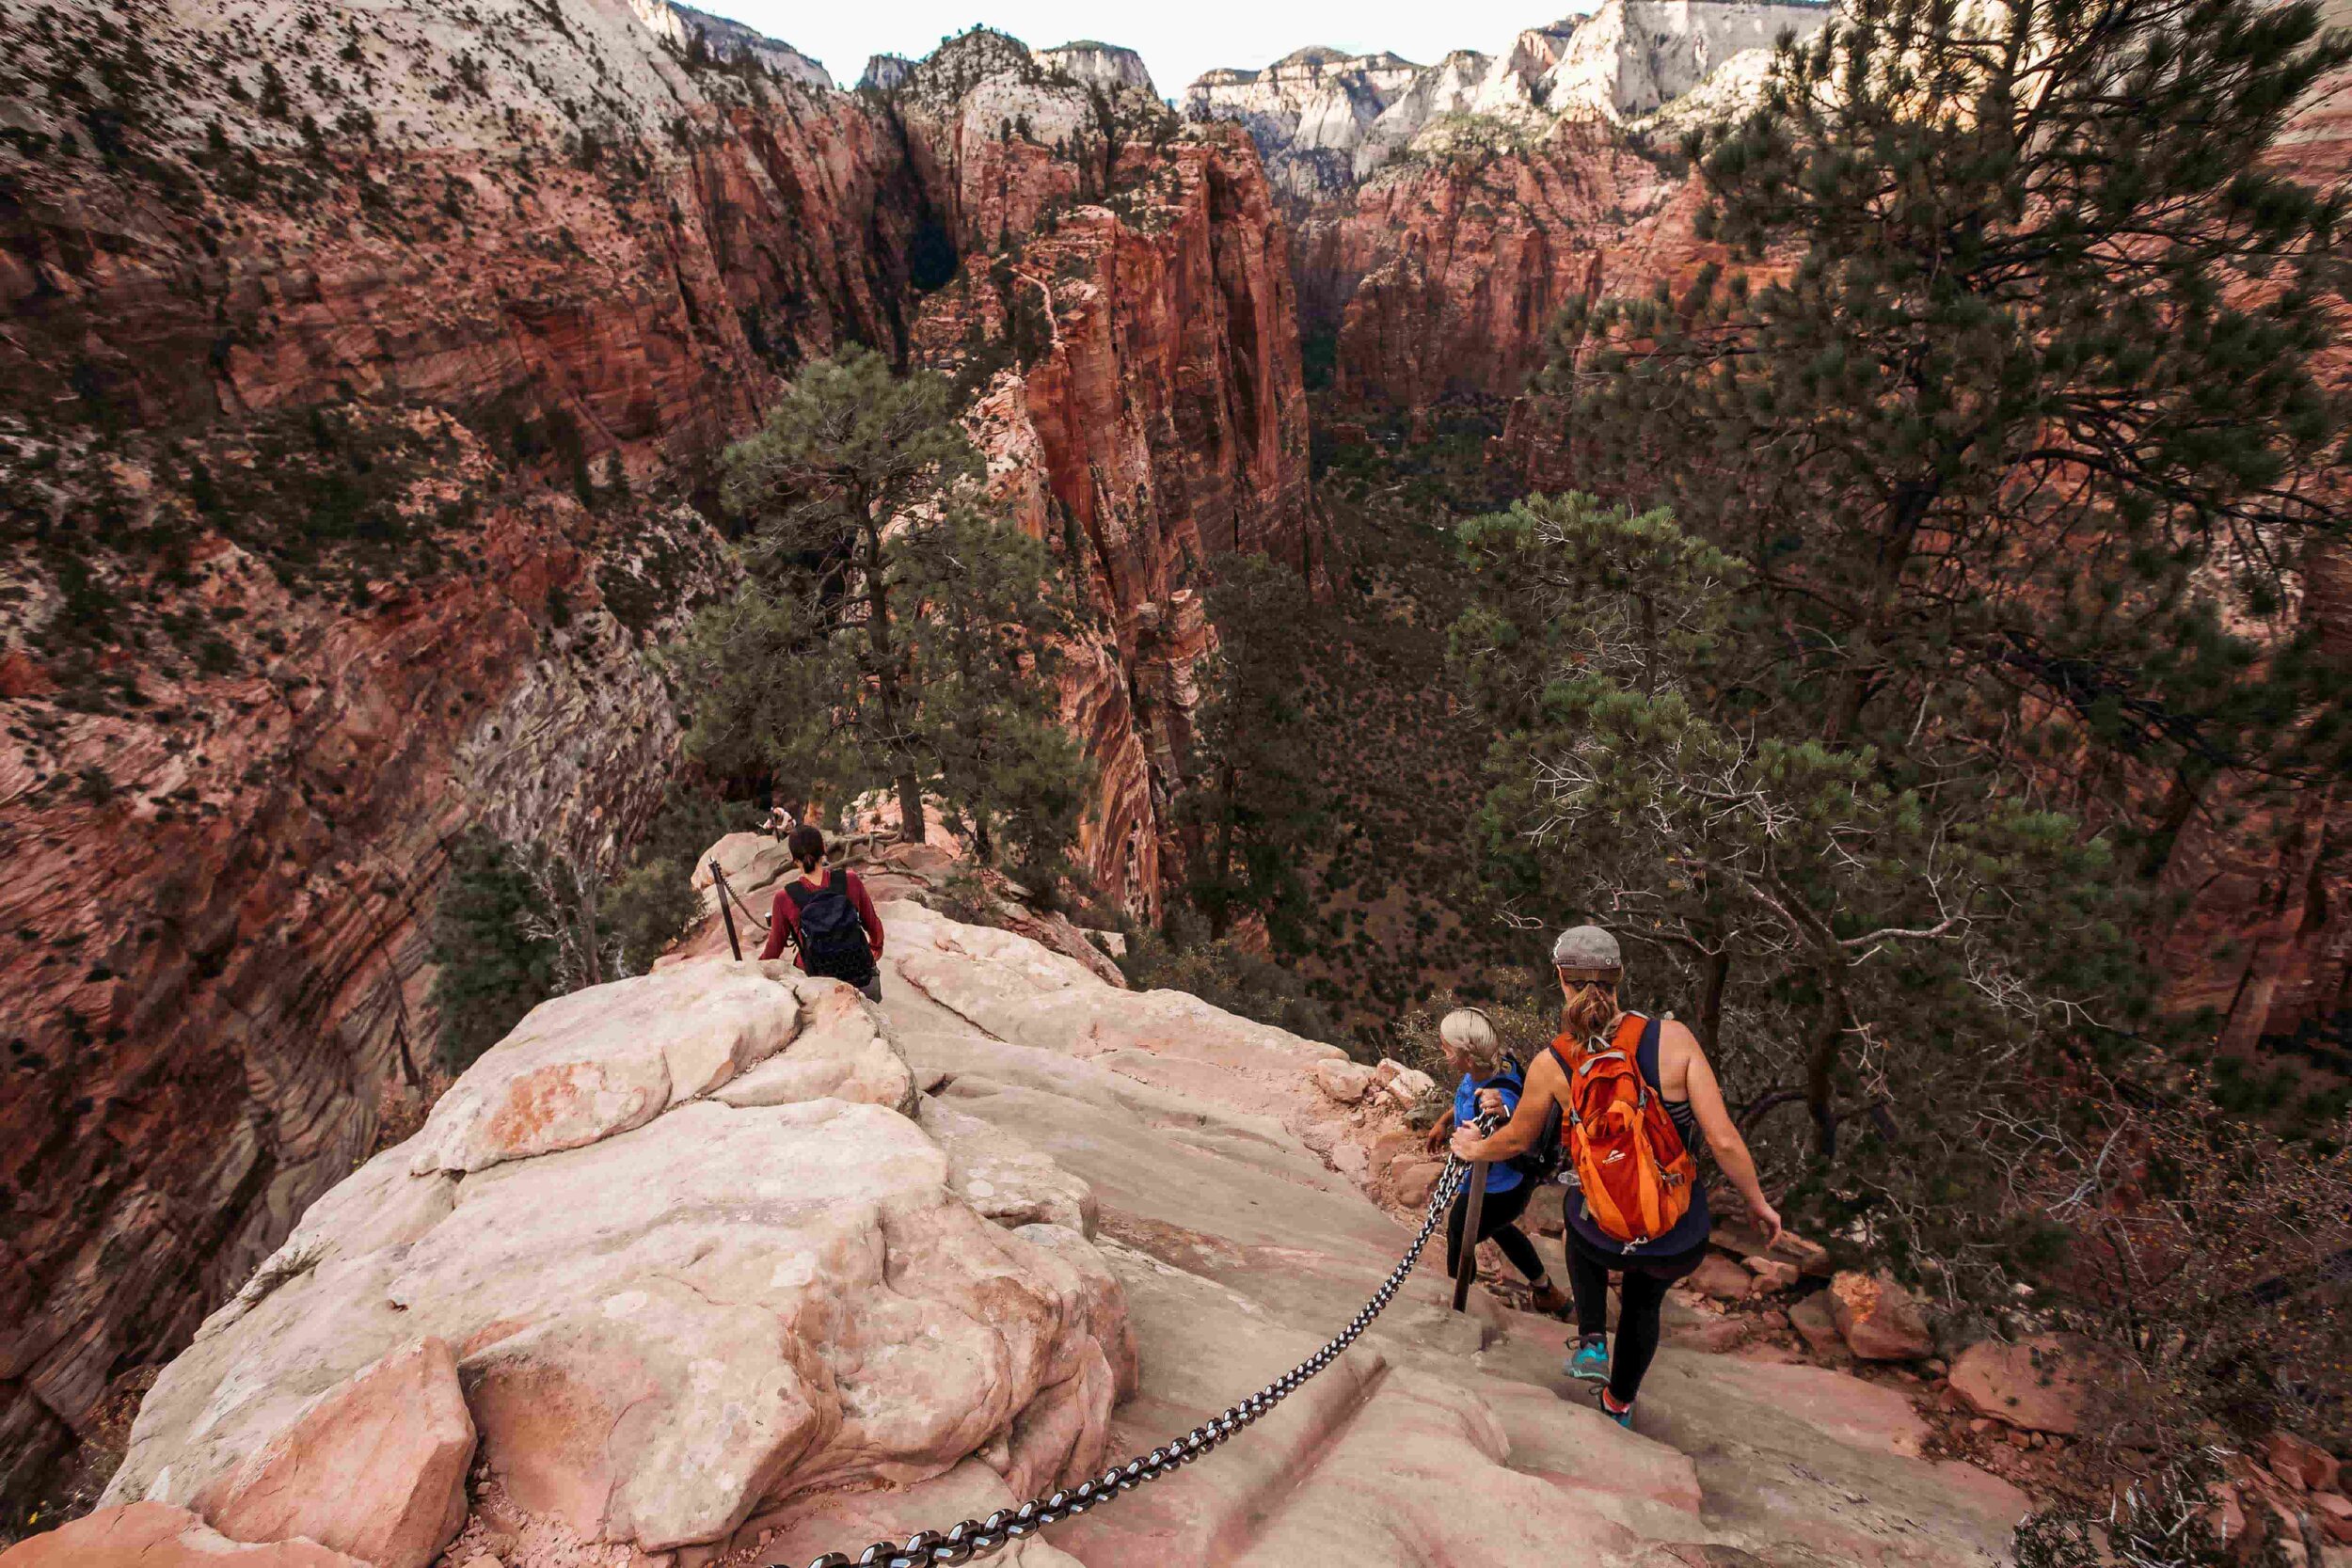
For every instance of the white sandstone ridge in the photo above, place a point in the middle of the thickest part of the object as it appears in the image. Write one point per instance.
(724, 1266)
(1325, 120)
(726, 39)
(677, 1251)
(885, 72)
(1632, 58)
(1002, 132)
(533, 72)
(1308, 112)
(1101, 65)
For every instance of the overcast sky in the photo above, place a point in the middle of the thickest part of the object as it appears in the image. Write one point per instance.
(1178, 41)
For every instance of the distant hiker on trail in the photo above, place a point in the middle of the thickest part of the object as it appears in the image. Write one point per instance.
(1491, 1081)
(827, 917)
(1633, 1091)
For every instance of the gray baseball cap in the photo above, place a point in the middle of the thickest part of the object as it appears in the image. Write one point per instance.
(1587, 953)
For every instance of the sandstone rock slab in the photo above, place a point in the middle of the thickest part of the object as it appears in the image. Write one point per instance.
(1720, 1278)
(1735, 1234)
(1816, 1325)
(156, 1535)
(751, 860)
(1004, 1179)
(375, 1468)
(1345, 1082)
(661, 1332)
(2302, 1462)
(601, 1061)
(1879, 1319)
(837, 1052)
(2043, 1384)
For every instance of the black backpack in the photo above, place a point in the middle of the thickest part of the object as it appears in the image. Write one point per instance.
(833, 939)
(1542, 1159)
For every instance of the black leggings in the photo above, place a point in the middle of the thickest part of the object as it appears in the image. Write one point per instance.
(1496, 1222)
(1641, 1301)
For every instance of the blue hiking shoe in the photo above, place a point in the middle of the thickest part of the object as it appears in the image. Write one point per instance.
(1591, 1361)
(1622, 1417)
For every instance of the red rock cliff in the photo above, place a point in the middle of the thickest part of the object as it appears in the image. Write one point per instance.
(325, 395)
(1127, 299)
(519, 274)
(1445, 277)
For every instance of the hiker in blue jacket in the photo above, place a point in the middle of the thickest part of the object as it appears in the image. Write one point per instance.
(1491, 1081)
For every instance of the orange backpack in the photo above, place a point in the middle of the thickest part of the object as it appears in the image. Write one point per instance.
(1636, 1174)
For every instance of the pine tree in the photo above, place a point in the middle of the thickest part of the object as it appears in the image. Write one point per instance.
(491, 970)
(891, 629)
(1875, 939)
(2013, 414)
(1984, 474)
(985, 647)
(1253, 809)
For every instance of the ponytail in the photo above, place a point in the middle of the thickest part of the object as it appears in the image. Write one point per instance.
(1589, 1010)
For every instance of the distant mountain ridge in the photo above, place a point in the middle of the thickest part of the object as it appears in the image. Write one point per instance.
(1325, 120)
(726, 39)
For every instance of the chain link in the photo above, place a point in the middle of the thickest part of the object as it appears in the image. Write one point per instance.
(973, 1539)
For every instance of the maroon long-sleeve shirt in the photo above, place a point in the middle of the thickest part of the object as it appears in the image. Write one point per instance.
(784, 920)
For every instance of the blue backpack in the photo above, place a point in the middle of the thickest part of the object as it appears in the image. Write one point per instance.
(1541, 1161)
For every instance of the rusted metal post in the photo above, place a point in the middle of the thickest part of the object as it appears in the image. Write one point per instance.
(1466, 1260)
(718, 886)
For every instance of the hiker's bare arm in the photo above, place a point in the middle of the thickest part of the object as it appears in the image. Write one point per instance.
(1723, 1135)
(1519, 1134)
(1439, 1131)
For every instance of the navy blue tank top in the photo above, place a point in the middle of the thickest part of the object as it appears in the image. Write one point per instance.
(1692, 1227)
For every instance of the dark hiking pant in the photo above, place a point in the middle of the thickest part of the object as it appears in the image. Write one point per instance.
(1641, 1302)
(1498, 1222)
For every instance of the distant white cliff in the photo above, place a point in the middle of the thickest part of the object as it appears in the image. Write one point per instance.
(1325, 120)
(726, 39)
(1634, 56)
(1102, 65)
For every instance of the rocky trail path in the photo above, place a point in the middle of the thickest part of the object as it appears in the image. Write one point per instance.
(1441, 1438)
(724, 1266)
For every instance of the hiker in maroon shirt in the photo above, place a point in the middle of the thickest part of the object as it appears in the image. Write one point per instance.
(827, 917)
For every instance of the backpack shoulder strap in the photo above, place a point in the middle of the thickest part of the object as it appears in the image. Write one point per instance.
(1646, 1053)
(1567, 1063)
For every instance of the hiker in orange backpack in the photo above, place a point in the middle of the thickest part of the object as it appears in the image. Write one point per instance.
(1633, 1092)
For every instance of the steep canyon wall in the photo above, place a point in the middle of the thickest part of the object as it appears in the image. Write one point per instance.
(355, 365)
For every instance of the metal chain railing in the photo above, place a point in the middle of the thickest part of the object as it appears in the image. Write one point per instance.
(727, 896)
(974, 1539)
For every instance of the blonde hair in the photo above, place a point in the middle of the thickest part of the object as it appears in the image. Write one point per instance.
(1589, 1009)
(1473, 1033)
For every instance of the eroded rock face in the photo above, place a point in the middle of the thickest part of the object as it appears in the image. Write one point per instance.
(1446, 276)
(1152, 415)
(575, 263)
(156, 1535)
(1309, 113)
(1101, 65)
(1631, 57)
(375, 1467)
(228, 968)
(729, 41)
(663, 1323)
(1325, 122)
